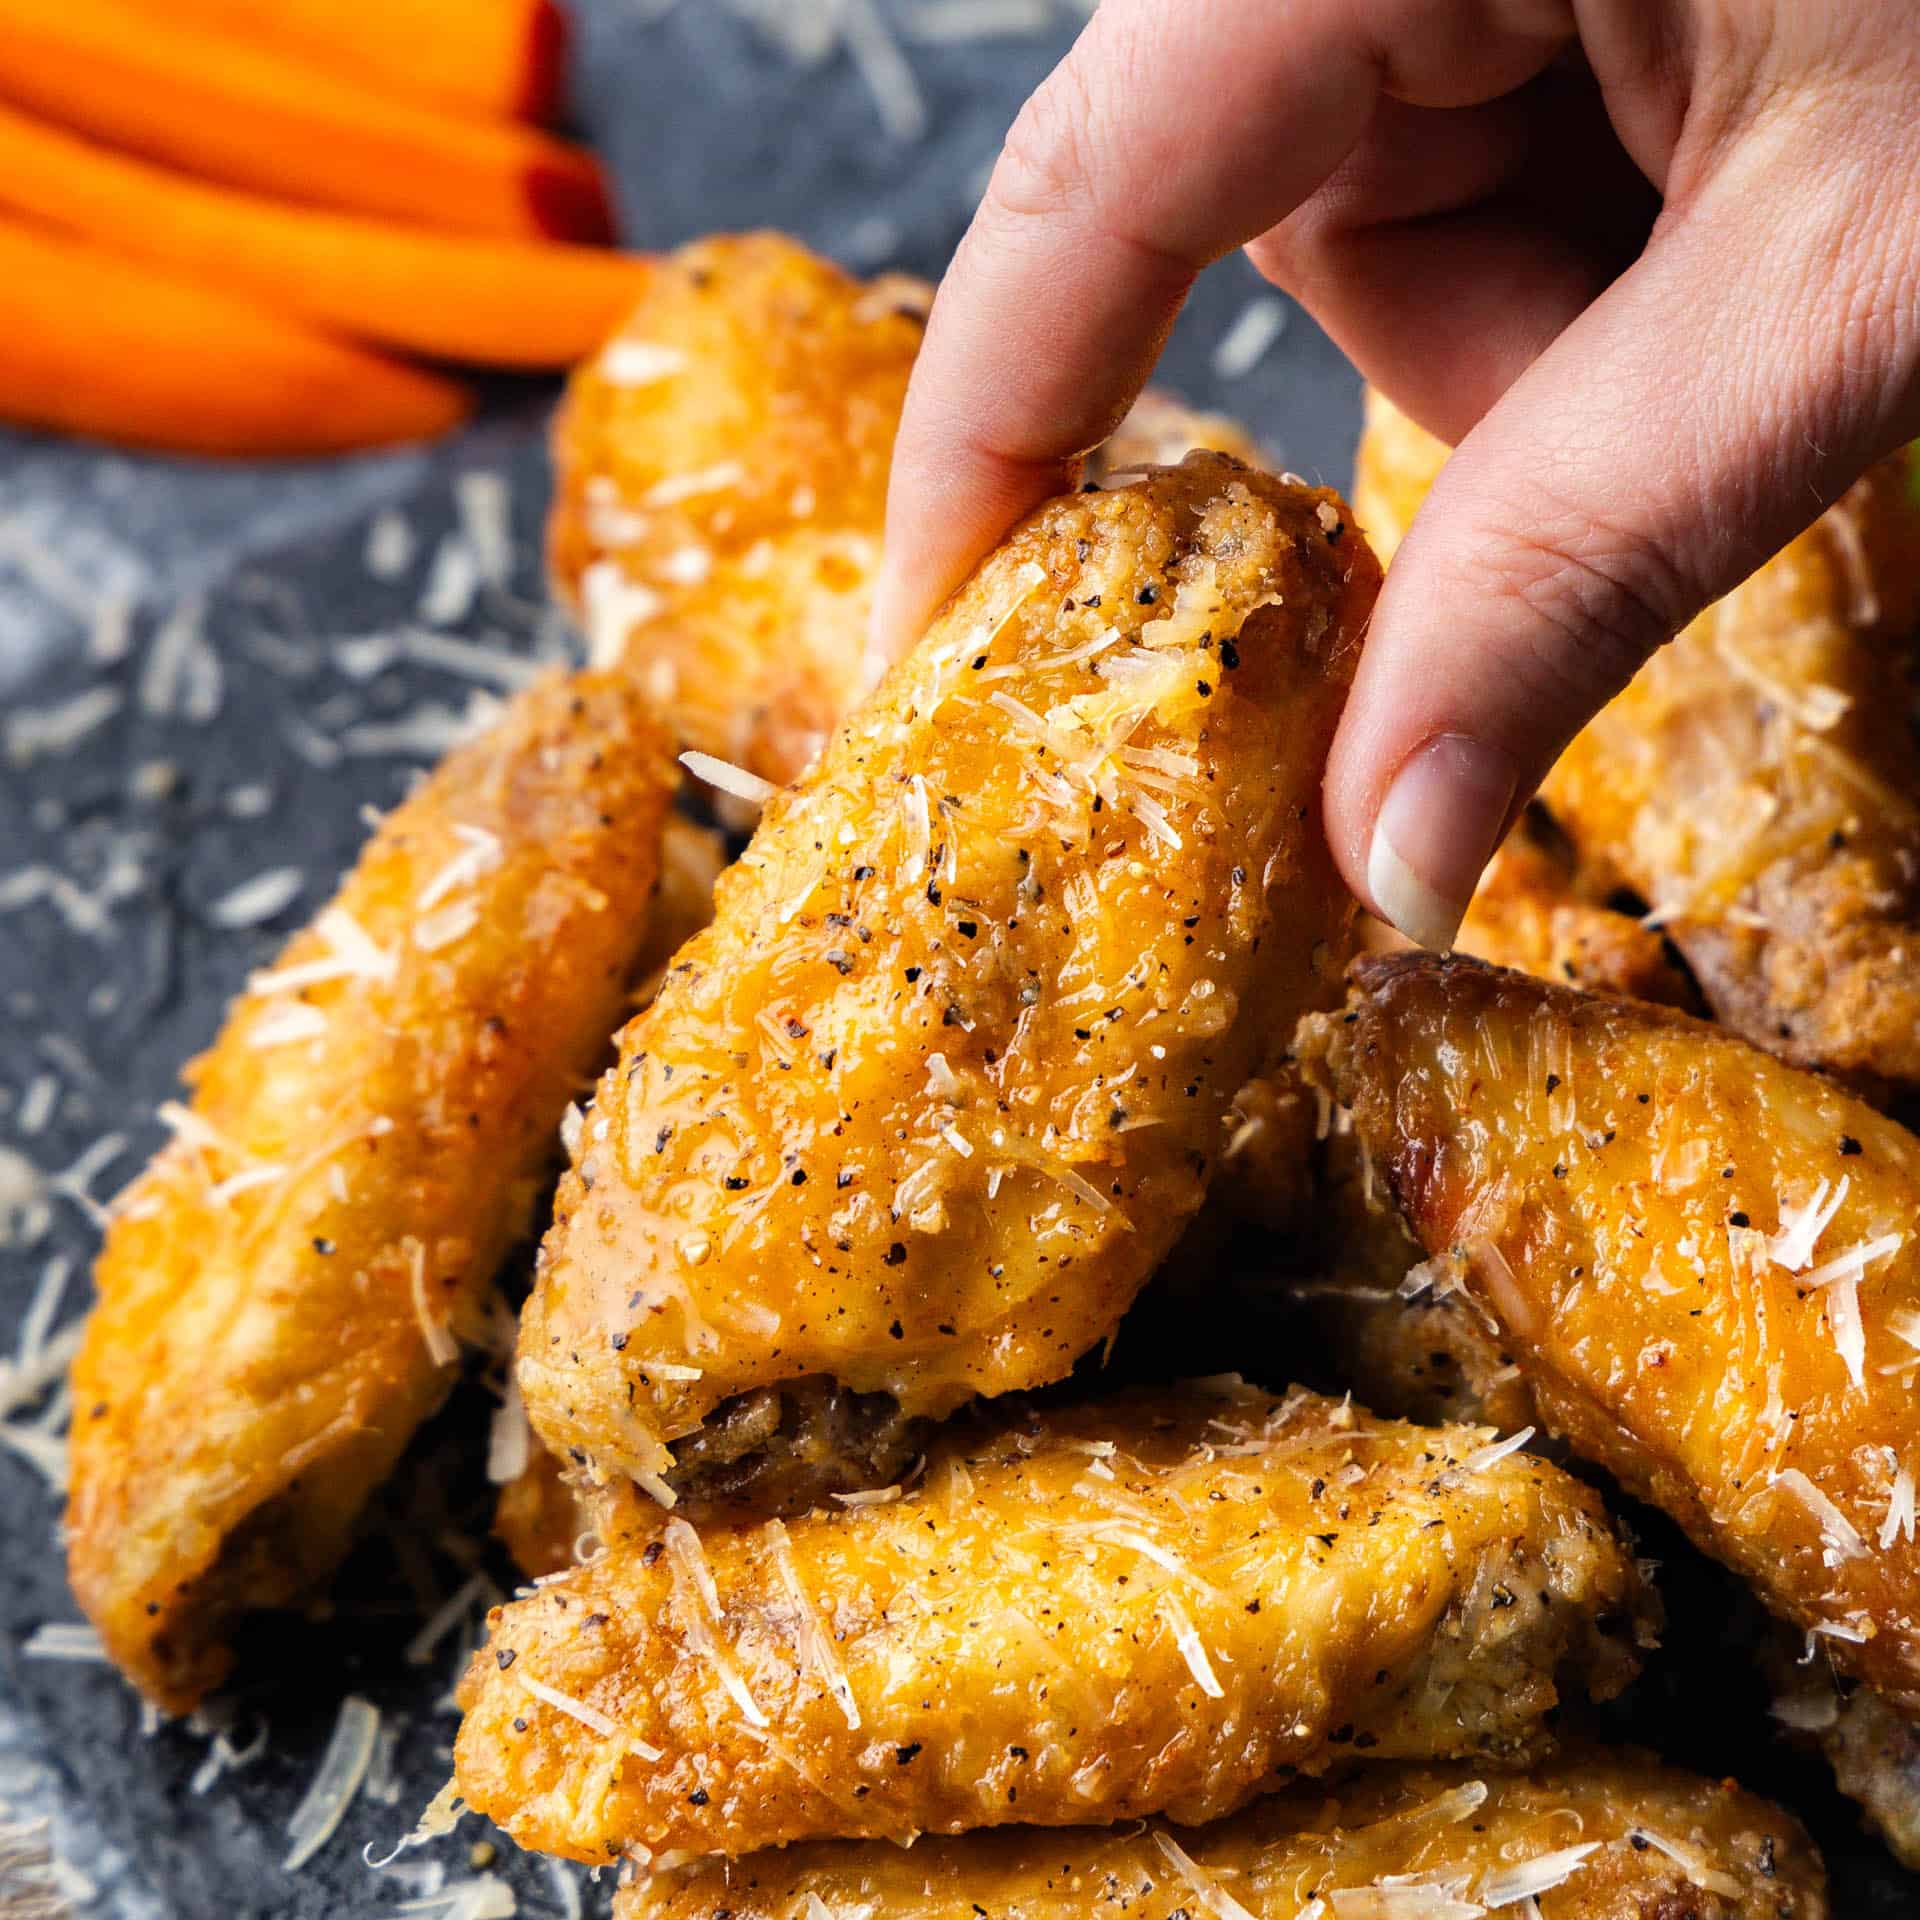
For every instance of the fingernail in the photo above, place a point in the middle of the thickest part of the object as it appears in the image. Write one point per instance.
(1436, 829)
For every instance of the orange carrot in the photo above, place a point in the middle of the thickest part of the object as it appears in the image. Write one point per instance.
(254, 119)
(497, 303)
(96, 345)
(506, 58)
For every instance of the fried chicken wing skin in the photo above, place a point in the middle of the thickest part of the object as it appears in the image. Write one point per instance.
(1707, 1263)
(720, 473)
(281, 1298)
(1758, 782)
(1529, 913)
(1171, 1602)
(923, 1108)
(1648, 1843)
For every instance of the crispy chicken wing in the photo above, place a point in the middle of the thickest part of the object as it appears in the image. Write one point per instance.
(924, 1107)
(1174, 1601)
(1602, 1836)
(1759, 781)
(720, 473)
(1705, 1261)
(1530, 912)
(720, 488)
(281, 1299)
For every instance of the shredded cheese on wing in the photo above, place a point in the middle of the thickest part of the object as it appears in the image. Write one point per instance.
(1211, 1894)
(701, 1615)
(815, 1644)
(1187, 1637)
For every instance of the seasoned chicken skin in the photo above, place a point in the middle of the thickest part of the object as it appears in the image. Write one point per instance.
(720, 481)
(1606, 1836)
(1704, 1260)
(926, 1104)
(282, 1296)
(720, 474)
(1171, 1602)
(1759, 782)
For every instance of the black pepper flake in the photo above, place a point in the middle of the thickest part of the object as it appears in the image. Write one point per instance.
(933, 893)
(321, 1244)
(661, 1138)
(897, 1330)
(1738, 1219)
(799, 1177)
(1553, 1080)
(840, 960)
(1147, 595)
(913, 974)
(1848, 1144)
(735, 1183)
(863, 873)
(650, 1555)
(968, 928)
(896, 1255)
(618, 1342)
(1229, 655)
(698, 1797)
(519, 1725)
(1203, 689)
(903, 1756)
(506, 1657)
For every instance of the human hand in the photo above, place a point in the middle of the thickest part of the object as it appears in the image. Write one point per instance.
(1654, 264)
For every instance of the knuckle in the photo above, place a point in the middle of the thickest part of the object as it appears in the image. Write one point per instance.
(1600, 599)
(1046, 165)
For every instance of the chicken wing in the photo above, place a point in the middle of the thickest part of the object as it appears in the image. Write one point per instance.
(720, 473)
(1171, 1602)
(282, 1296)
(1759, 782)
(1597, 1836)
(920, 1112)
(1873, 1748)
(1705, 1261)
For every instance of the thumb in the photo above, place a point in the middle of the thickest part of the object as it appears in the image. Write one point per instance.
(1683, 428)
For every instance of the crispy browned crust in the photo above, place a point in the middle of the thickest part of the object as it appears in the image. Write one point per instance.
(1530, 913)
(1610, 1173)
(1442, 1824)
(257, 1359)
(928, 1102)
(773, 394)
(1758, 783)
(1007, 1634)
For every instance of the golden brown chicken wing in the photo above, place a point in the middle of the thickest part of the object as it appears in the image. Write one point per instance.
(1758, 782)
(1530, 912)
(720, 473)
(921, 1111)
(1599, 1836)
(281, 1299)
(1175, 1601)
(720, 488)
(1704, 1260)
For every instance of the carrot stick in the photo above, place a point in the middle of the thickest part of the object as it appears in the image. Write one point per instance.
(505, 58)
(254, 119)
(96, 345)
(494, 302)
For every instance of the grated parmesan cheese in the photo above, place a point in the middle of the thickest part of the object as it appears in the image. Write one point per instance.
(1244, 344)
(1706, 1877)
(1482, 1458)
(639, 363)
(1900, 1515)
(1836, 1530)
(1210, 1893)
(509, 1437)
(486, 517)
(342, 1768)
(389, 548)
(701, 1615)
(723, 476)
(815, 1646)
(1505, 1886)
(64, 1640)
(442, 1348)
(1187, 1637)
(1801, 1227)
(728, 778)
(483, 1897)
(254, 902)
(452, 582)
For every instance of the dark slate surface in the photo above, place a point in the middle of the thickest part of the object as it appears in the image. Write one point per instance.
(261, 754)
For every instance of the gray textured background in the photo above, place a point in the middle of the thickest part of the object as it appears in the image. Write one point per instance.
(289, 711)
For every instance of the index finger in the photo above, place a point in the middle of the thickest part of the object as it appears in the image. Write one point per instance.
(1169, 135)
